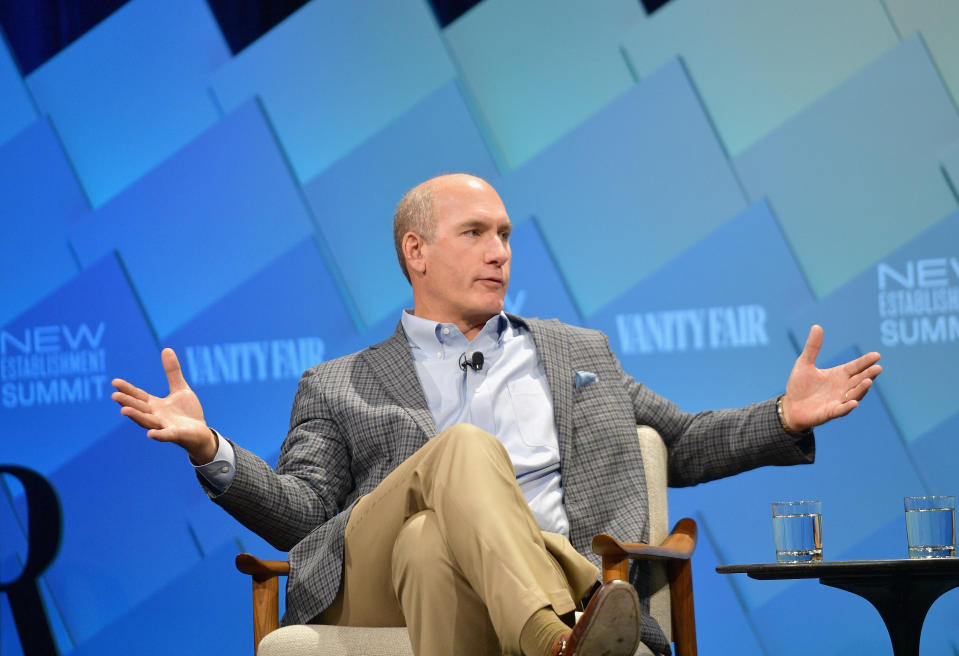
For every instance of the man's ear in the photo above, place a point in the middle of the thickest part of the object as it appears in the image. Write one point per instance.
(413, 252)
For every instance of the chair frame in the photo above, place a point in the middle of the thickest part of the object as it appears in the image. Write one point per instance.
(266, 593)
(676, 550)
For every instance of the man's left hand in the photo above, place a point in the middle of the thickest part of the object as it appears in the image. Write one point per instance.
(814, 396)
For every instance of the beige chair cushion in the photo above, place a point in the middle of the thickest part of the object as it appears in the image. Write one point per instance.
(321, 640)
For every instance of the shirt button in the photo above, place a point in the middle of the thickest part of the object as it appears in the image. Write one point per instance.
(224, 469)
(439, 355)
(446, 331)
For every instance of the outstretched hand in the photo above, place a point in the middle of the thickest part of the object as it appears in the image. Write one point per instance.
(176, 418)
(814, 396)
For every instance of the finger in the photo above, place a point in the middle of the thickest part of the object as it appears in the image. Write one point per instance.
(861, 363)
(128, 401)
(174, 374)
(130, 389)
(854, 381)
(859, 391)
(167, 434)
(843, 409)
(143, 419)
(869, 374)
(813, 344)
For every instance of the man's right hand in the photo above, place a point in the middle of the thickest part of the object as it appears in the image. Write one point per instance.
(177, 418)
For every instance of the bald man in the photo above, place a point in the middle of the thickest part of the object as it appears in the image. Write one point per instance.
(450, 478)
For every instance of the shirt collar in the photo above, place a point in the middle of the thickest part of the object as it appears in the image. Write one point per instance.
(427, 334)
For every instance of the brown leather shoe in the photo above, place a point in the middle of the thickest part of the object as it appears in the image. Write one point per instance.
(609, 626)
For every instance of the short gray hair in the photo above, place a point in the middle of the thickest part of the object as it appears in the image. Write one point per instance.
(414, 214)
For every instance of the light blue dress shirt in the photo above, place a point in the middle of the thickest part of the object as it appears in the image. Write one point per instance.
(508, 398)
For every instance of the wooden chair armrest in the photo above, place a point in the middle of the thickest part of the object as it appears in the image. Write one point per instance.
(261, 569)
(266, 592)
(679, 544)
(676, 550)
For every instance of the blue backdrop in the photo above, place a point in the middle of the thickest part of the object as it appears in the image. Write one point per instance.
(701, 183)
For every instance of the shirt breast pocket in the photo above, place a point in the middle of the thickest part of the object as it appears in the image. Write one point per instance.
(533, 411)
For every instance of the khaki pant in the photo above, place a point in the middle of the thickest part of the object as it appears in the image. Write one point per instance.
(447, 546)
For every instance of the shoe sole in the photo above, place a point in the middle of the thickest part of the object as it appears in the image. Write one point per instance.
(615, 629)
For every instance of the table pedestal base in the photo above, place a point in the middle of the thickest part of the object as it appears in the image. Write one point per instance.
(902, 590)
(902, 603)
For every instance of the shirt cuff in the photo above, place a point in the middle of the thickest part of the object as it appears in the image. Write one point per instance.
(219, 472)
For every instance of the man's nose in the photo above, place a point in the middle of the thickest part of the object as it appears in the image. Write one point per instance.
(497, 251)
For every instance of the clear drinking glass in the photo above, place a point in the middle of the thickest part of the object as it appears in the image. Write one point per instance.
(797, 527)
(931, 526)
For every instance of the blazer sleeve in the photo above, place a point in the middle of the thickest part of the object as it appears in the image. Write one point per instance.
(312, 479)
(712, 444)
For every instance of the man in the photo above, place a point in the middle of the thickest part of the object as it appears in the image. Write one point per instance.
(422, 485)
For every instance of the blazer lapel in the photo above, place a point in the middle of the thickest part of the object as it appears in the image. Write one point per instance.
(393, 366)
(554, 352)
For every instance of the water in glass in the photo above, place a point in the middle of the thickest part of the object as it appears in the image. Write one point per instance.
(798, 537)
(930, 532)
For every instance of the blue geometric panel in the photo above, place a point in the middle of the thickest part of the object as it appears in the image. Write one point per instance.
(13, 547)
(132, 90)
(937, 457)
(9, 640)
(335, 73)
(354, 199)
(555, 62)
(628, 189)
(950, 165)
(16, 107)
(861, 473)
(379, 331)
(243, 355)
(906, 307)
(225, 206)
(720, 621)
(536, 287)
(855, 174)
(56, 363)
(719, 309)
(141, 493)
(213, 614)
(13, 555)
(938, 23)
(40, 198)
(757, 64)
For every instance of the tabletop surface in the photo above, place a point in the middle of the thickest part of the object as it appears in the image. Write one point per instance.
(844, 568)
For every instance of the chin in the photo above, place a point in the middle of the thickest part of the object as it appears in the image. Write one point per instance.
(490, 308)
(497, 306)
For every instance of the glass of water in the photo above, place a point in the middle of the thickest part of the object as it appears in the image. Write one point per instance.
(797, 527)
(931, 526)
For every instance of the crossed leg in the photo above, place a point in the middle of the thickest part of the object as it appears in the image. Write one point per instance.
(446, 545)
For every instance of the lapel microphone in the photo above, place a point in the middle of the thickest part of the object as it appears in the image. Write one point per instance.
(471, 359)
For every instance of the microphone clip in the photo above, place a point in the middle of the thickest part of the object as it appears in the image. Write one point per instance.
(471, 359)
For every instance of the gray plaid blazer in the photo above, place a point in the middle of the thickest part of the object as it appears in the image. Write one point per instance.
(357, 417)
